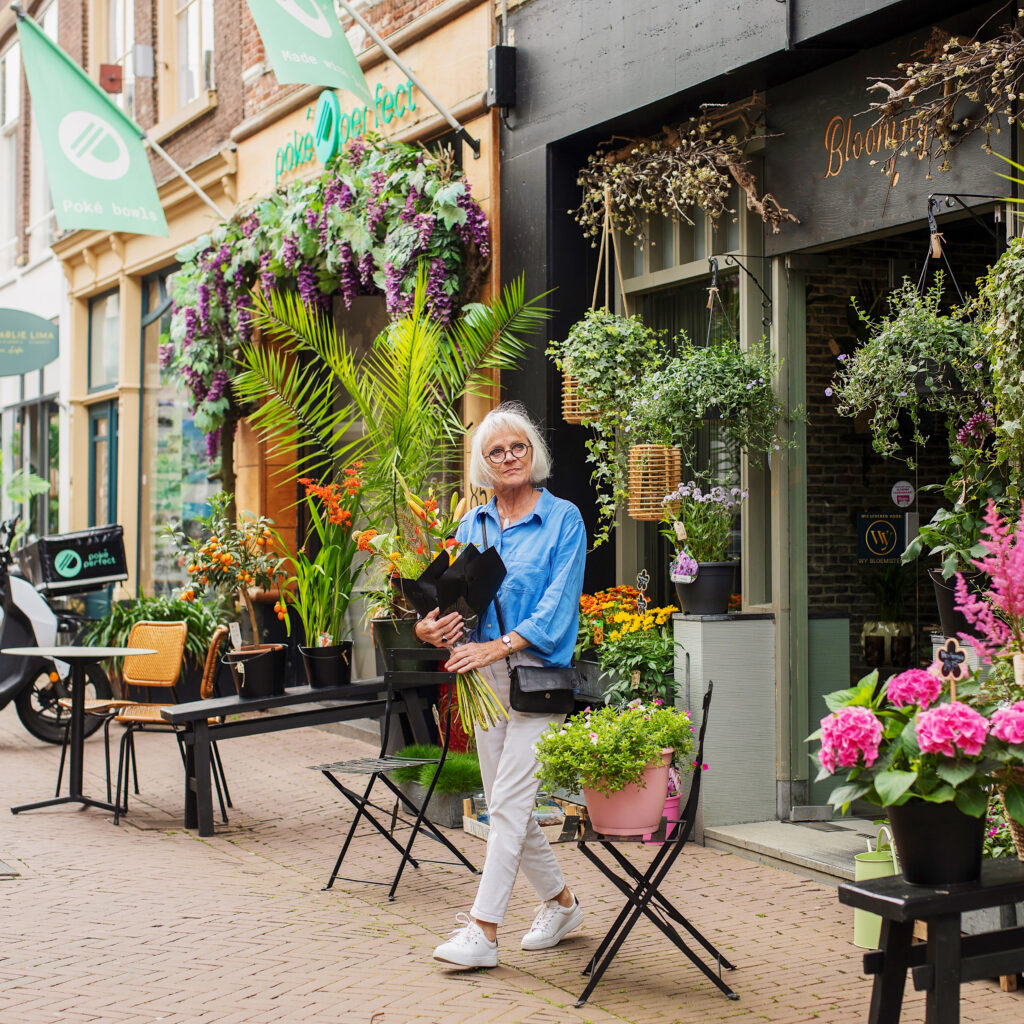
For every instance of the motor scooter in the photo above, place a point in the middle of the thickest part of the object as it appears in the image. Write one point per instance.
(36, 685)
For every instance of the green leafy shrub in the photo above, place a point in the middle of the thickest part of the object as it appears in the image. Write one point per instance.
(460, 774)
(609, 749)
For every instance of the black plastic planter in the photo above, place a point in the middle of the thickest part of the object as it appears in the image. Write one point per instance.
(937, 844)
(259, 670)
(328, 666)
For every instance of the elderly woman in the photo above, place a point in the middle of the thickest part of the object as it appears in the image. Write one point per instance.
(542, 542)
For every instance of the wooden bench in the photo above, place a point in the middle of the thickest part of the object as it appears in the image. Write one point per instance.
(946, 959)
(199, 721)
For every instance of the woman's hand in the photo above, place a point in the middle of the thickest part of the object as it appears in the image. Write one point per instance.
(467, 657)
(438, 630)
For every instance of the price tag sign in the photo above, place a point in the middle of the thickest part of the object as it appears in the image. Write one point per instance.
(235, 633)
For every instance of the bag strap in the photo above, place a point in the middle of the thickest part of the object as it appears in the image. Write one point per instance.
(497, 604)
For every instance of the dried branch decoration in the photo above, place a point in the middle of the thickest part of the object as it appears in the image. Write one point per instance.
(693, 163)
(989, 75)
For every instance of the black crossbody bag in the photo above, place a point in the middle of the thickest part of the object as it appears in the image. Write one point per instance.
(537, 689)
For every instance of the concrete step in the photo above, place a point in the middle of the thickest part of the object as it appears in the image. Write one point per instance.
(820, 850)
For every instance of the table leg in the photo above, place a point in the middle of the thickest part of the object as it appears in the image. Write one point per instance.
(942, 1002)
(204, 794)
(77, 751)
(191, 815)
(887, 991)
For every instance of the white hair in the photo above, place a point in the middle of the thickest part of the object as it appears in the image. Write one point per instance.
(509, 417)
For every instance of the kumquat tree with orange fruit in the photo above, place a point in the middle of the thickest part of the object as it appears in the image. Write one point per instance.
(231, 555)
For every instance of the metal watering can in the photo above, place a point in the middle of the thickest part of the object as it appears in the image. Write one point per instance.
(877, 862)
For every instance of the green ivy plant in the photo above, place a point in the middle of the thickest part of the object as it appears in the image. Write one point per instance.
(609, 749)
(607, 354)
(916, 359)
(716, 381)
(363, 226)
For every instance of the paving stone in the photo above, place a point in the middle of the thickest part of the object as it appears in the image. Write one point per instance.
(147, 923)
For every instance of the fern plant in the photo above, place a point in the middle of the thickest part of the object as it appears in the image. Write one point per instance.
(397, 408)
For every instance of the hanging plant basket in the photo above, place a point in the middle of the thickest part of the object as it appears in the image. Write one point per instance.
(654, 471)
(572, 407)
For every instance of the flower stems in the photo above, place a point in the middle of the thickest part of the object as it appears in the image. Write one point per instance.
(477, 703)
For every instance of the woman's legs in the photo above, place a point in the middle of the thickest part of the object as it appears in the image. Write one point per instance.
(508, 766)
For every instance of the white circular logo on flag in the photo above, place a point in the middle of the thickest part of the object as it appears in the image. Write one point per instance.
(93, 145)
(315, 20)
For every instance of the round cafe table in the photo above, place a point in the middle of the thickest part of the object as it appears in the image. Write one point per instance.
(78, 658)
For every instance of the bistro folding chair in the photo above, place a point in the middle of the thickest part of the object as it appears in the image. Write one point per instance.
(147, 716)
(642, 888)
(376, 769)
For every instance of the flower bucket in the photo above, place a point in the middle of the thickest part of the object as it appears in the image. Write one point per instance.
(258, 670)
(635, 810)
(328, 666)
(654, 471)
(937, 844)
(873, 863)
(951, 618)
(709, 593)
(671, 815)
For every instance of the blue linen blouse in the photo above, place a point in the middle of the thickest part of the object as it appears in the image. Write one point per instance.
(545, 555)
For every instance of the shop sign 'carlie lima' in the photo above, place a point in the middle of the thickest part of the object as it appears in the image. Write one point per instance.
(331, 126)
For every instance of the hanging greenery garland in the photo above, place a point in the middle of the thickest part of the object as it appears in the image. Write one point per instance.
(691, 164)
(360, 228)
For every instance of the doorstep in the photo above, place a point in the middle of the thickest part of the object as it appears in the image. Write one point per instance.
(822, 850)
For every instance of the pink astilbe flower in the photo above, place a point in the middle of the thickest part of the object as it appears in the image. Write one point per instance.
(915, 686)
(1008, 724)
(949, 728)
(849, 737)
(998, 615)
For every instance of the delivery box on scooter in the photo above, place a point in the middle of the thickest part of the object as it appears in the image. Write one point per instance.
(67, 563)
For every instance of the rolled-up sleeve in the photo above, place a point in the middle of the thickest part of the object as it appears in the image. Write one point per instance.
(553, 624)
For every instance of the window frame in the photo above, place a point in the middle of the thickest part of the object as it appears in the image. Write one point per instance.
(107, 410)
(10, 247)
(172, 111)
(93, 300)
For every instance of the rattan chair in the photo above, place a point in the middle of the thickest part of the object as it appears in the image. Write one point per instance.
(141, 716)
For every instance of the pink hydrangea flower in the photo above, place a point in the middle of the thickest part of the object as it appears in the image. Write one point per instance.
(1008, 724)
(915, 686)
(848, 738)
(949, 727)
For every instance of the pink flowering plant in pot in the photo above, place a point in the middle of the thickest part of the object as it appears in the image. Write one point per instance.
(918, 738)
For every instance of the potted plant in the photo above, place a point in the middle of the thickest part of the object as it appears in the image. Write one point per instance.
(638, 657)
(926, 747)
(459, 780)
(603, 356)
(917, 364)
(700, 524)
(717, 381)
(323, 577)
(619, 757)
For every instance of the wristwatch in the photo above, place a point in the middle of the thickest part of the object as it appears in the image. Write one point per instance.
(507, 641)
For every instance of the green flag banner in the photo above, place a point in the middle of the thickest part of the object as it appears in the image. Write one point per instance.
(305, 44)
(95, 159)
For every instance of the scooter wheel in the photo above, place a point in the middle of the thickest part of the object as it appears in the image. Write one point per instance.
(38, 708)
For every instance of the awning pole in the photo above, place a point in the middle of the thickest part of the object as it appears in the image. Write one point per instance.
(461, 132)
(183, 174)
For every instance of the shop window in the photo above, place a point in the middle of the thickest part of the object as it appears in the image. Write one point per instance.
(104, 340)
(103, 463)
(10, 102)
(31, 434)
(193, 33)
(176, 477)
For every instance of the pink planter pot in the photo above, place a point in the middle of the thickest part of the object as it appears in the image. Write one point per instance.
(634, 810)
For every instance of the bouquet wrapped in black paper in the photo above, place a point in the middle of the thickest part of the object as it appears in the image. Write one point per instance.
(466, 585)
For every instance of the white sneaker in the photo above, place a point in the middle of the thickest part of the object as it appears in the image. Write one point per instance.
(552, 923)
(468, 946)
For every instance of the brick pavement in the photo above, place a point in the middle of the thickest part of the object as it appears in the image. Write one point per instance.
(147, 922)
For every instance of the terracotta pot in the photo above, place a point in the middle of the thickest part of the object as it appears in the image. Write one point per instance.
(635, 810)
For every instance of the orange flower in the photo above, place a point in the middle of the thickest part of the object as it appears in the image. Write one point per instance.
(363, 539)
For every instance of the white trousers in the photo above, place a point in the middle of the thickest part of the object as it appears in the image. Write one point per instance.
(508, 765)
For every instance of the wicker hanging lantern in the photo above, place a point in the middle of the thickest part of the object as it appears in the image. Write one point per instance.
(572, 407)
(654, 471)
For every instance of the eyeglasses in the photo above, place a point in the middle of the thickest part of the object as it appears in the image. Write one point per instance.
(496, 456)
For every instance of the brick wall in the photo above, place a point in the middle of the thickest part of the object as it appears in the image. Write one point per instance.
(844, 474)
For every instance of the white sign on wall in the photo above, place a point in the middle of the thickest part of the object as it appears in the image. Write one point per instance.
(903, 494)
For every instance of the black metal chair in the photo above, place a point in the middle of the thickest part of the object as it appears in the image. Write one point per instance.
(642, 888)
(376, 770)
